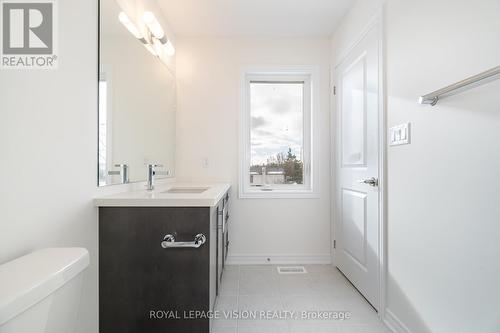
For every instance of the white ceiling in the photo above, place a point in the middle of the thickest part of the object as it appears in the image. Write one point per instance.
(254, 17)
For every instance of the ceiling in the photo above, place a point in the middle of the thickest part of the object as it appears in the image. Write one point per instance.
(256, 18)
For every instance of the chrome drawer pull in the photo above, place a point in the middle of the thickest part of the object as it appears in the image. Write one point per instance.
(169, 242)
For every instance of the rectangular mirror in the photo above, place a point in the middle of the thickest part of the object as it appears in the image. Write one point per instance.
(137, 102)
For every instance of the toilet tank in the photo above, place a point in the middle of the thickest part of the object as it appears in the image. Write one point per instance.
(40, 292)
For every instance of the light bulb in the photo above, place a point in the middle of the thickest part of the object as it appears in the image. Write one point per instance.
(150, 49)
(123, 18)
(169, 49)
(158, 46)
(153, 25)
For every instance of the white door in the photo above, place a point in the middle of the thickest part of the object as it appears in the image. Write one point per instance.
(357, 159)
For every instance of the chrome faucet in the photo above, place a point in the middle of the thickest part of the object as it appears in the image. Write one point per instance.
(152, 172)
(123, 172)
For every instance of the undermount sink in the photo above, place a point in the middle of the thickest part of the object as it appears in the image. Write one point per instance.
(187, 190)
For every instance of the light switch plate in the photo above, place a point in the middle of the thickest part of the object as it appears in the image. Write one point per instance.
(204, 162)
(400, 135)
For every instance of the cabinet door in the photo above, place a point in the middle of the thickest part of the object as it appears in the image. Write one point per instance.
(213, 257)
(220, 245)
(138, 277)
(227, 217)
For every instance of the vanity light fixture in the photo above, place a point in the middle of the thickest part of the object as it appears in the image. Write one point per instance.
(154, 26)
(124, 19)
(158, 34)
(157, 45)
(169, 49)
(151, 49)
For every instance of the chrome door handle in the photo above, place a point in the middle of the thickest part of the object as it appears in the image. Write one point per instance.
(369, 181)
(169, 242)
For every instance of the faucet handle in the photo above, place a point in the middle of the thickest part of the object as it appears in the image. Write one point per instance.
(152, 168)
(123, 172)
(155, 165)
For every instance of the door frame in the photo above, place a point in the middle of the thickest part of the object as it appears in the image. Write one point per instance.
(376, 21)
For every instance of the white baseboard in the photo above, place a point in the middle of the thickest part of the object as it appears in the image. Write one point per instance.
(394, 323)
(278, 259)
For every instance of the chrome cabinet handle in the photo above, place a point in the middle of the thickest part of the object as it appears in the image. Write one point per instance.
(369, 181)
(169, 242)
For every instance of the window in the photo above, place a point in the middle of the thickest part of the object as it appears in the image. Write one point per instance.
(276, 134)
(103, 129)
(104, 121)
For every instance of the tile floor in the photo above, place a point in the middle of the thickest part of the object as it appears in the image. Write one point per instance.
(252, 290)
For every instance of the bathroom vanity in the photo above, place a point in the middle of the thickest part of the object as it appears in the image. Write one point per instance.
(161, 258)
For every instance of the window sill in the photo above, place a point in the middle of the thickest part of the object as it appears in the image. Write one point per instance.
(278, 194)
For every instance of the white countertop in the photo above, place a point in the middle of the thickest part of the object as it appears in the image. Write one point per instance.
(160, 198)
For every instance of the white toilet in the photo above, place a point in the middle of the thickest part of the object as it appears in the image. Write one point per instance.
(40, 292)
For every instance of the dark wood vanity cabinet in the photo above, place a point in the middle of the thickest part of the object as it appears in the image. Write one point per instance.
(222, 237)
(145, 288)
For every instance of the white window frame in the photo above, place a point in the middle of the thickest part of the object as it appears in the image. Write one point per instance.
(106, 75)
(308, 75)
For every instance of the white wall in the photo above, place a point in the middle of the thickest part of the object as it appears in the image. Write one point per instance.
(48, 131)
(48, 149)
(443, 207)
(209, 74)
